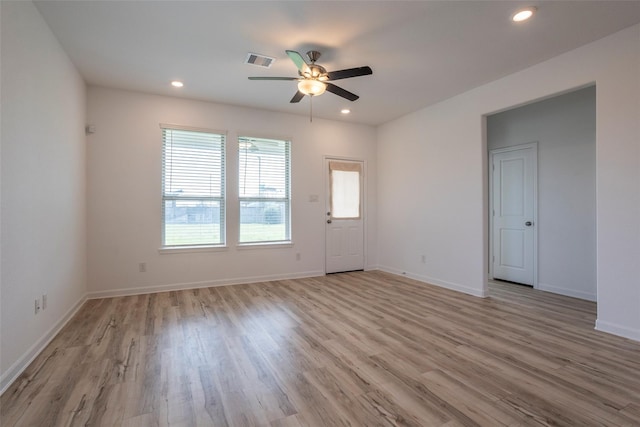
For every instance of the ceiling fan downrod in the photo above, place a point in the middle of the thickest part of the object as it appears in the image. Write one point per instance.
(313, 56)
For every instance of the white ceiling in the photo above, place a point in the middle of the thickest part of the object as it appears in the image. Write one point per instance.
(421, 52)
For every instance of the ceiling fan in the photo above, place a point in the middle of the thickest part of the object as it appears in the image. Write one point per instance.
(314, 79)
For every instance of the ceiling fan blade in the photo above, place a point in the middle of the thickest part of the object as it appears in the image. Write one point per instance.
(298, 60)
(297, 97)
(337, 90)
(273, 78)
(350, 72)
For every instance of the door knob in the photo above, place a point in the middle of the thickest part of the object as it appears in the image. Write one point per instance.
(328, 221)
(528, 223)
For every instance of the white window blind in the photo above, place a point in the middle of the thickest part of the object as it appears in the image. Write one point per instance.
(193, 188)
(264, 190)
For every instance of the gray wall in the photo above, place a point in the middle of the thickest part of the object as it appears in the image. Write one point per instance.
(565, 129)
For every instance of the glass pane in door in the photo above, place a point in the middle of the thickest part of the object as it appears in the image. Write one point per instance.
(345, 194)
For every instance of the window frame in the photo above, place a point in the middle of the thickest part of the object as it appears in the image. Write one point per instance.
(222, 199)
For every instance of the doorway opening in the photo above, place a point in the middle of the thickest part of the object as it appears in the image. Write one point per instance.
(559, 237)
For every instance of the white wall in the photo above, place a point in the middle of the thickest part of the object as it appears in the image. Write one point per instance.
(565, 129)
(430, 176)
(43, 186)
(433, 163)
(124, 190)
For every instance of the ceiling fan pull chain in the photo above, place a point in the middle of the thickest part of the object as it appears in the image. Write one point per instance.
(310, 108)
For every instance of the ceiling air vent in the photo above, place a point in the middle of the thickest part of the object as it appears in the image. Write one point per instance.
(259, 60)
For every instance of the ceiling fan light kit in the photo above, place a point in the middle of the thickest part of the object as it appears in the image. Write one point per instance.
(311, 87)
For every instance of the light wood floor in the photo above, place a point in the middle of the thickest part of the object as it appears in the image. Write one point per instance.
(358, 349)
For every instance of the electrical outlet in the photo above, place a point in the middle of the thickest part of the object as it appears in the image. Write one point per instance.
(36, 307)
(298, 256)
(142, 267)
(424, 259)
(44, 301)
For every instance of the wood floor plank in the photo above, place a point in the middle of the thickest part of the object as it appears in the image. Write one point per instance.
(352, 349)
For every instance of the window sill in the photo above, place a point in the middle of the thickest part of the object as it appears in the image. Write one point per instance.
(190, 249)
(267, 245)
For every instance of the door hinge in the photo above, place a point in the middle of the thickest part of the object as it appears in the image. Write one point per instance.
(494, 259)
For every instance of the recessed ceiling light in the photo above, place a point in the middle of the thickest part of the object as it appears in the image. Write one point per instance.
(177, 83)
(345, 111)
(523, 14)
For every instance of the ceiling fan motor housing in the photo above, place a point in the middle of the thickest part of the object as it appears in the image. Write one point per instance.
(316, 72)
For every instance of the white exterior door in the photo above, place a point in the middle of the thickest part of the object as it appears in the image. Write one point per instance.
(345, 216)
(513, 193)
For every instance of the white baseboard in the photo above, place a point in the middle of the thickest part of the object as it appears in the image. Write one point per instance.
(432, 281)
(621, 331)
(566, 292)
(14, 371)
(138, 290)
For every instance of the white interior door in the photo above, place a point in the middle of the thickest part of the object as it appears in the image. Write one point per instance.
(345, 216)
(513, 213)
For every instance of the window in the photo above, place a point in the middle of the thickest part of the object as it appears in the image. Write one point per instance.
(264, 190)
(193, 188)
(345, 189)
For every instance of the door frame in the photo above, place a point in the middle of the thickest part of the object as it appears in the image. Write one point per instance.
(365, 213)
(531, 145)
